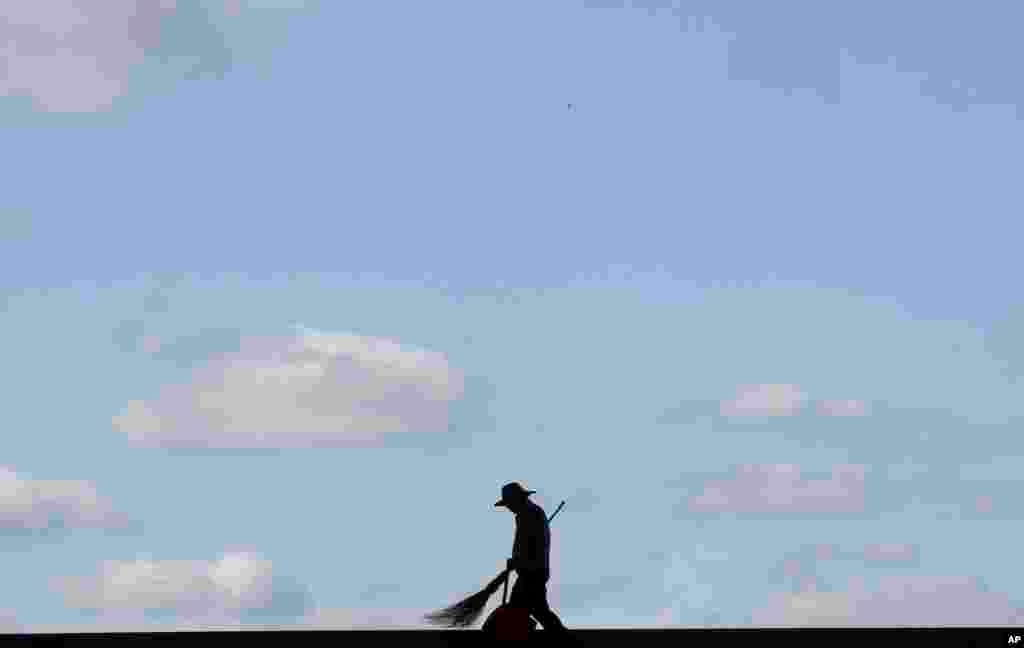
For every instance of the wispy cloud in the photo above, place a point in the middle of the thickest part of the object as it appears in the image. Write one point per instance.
(898, 601)
(73, 56)
(691, 586)
(778, 488)
(848, 407)
(781, 399)
(365, 618)
(1005, 468)
(889, 553)
(35, 504)
(320, 618)
(117, 624)
(311, 389)
(764, 400)
(906, 470)
(984, 504)
(584, 500)
(235, 7)
(686, 577)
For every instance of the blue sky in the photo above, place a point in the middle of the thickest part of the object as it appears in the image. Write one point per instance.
(290, 289)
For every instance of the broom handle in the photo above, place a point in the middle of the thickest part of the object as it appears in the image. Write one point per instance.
(504, 594)
(556, 511)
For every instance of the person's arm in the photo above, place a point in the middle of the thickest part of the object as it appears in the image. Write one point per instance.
(517, 547)
(528, 552)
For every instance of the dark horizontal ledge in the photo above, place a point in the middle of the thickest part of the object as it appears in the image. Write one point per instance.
(591, 637)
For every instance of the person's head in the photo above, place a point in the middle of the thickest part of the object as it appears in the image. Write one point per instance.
(514, 497)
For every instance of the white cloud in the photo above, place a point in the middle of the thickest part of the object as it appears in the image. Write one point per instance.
(313, 389)
(805, 609)
(9, 622)
(764, 400)
(193, 589)
(29, 504)
(73, 56)
(317, 619)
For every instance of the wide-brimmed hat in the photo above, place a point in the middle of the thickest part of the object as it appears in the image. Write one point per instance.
(511, 492)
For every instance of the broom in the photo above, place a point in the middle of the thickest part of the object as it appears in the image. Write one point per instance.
(467, 611)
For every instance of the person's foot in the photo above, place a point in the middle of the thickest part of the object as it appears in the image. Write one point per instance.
(564, 636)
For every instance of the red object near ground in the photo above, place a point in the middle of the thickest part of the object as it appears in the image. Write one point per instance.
(507, 622)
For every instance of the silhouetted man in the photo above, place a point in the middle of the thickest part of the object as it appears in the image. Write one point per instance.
(530, 554)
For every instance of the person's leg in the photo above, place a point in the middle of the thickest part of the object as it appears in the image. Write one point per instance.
(547, 617)
(539, 608)
(520, 593)
(521, 597)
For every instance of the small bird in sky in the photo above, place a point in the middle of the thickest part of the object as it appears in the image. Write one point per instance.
(570, 106)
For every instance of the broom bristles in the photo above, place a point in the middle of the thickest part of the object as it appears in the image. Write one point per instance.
(467, 611)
